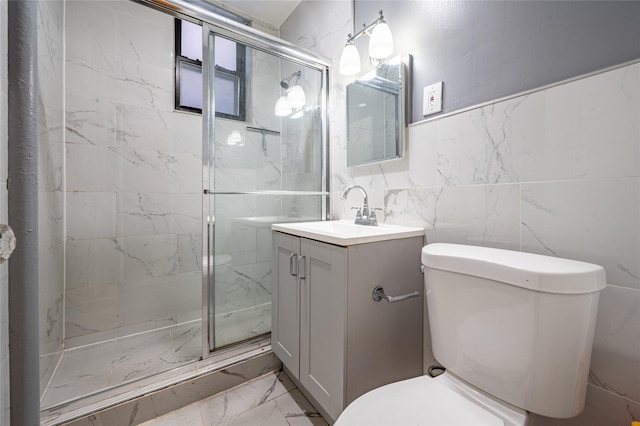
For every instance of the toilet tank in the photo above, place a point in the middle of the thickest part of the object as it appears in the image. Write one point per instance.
(519, 326)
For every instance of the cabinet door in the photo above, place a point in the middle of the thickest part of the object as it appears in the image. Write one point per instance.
(285, 309)
(322, 323)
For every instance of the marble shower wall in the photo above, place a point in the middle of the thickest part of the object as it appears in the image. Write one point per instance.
(4, 269)
(50, 32)
(133, 176)
(553, 172)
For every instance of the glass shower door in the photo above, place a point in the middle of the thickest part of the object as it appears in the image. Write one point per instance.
(263, 168)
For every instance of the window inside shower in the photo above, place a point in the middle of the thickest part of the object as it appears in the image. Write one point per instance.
(230, 72)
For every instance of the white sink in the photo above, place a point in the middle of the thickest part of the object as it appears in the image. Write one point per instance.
(345, 232)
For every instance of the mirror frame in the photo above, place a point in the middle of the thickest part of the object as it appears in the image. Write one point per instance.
(404, 108)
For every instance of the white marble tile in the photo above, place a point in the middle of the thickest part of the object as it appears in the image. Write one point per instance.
(90, 121)
(475, 215)
(51, 293)
(601, 408)
(189, 252)
(91, 26)
(50, 218)
(171, 295)
(151, 214)
(91, 168)
(145, 170)
(190, 173)
(142, 84)
(90, 309)
(87, 73)
(421, 148)
(91, 215)
(243, 324)
(146, 41)
(148, 354)
(143, 128)
(229, 407)
(615, 362)
(81, 371)
(485, 145)
(48, 364)
(186, 341)
(242, 286)
(149, 256)
(595, 221)
(319, 26)
(589, 136)
(93, 262)
(50, 165)
(189, 415)
(98, 337)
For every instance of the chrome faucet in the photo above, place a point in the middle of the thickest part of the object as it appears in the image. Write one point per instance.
(365, 216)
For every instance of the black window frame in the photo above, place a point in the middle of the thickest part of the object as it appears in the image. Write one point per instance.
(239, 74)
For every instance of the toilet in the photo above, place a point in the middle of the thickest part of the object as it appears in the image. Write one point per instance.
(514, 332)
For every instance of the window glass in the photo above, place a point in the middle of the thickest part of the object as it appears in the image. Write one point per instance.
(190, 85)
(230, 85)
(191, 41)
(227, 89)
(225, 51)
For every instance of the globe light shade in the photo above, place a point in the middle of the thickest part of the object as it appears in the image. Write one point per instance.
(283, 108)
(381, 41)
(295, 97)
(349, 60)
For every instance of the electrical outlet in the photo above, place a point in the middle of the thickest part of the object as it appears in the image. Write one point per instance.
(432, 99)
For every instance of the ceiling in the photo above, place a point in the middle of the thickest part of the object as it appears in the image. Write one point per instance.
(274, 12)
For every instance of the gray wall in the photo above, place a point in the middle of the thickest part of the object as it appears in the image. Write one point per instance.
(485, 50)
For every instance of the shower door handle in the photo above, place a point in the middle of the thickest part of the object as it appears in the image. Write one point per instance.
(291, 263)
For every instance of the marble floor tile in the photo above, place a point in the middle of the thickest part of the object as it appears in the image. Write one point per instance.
(268, 400)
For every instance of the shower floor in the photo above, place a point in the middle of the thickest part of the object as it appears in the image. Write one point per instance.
(103, 368)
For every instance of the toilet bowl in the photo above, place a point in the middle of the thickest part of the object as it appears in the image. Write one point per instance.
(443, 400)
(514, 331)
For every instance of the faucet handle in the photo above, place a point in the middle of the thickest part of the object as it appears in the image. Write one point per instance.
(358, 213)
(372, 216)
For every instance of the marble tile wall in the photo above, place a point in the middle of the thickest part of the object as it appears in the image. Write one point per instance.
(4, 272)
(555, 172)
(133, 176)
(50, 33)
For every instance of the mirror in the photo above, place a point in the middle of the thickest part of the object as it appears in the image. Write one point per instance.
(377, 107)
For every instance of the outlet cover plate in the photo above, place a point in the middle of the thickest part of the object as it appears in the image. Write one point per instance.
(432, 99)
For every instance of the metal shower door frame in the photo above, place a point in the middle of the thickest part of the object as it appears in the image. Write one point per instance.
(283, 51)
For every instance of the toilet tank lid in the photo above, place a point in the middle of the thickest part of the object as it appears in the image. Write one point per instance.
(531, 271)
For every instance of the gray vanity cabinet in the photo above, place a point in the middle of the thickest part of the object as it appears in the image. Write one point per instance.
(332, 337)
(308, 308)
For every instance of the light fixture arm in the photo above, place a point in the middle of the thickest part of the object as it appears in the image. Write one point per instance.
(366, 29)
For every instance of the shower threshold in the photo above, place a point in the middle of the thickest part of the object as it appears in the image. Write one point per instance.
(149, 397)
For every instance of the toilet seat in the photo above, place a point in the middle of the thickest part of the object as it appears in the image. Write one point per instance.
(444, 400)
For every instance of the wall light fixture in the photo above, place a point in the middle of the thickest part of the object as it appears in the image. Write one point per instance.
(380, 46)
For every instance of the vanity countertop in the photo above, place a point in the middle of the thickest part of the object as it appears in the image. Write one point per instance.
(345, 232)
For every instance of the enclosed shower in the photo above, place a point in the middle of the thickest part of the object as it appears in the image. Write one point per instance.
(159, 199)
